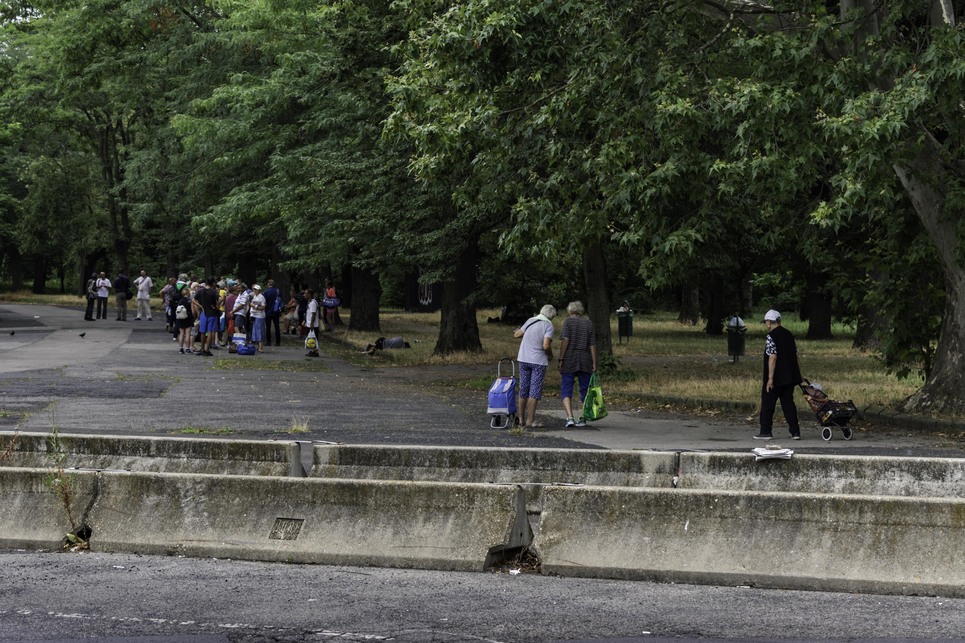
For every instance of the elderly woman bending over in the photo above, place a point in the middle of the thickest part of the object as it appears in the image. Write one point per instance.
(535, 353)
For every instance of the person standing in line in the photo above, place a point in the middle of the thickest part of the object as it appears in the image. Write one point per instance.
(91, 291)
(240, 310)
(290, 319)
(208, 297)
(782, 373)
(301, 309)
(274, 306)
(257, 308)
(143, 284)
(311, 318)
(122, 284)
(329, 306)
(184, 319)
(577, 358)
(168, 294)
(535, 353)
(103, 290)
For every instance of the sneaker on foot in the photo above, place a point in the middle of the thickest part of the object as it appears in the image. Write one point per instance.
(581, 422)
(763, 436)
(795, 436)
(570, 422)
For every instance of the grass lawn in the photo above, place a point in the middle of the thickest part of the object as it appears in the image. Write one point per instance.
(664, 359)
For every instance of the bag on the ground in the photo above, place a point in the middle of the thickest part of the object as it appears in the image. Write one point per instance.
(246, 349)
(311, 342)
(594, 408)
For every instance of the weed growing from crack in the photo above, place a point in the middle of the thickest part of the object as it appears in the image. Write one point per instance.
(11, 446)
(57, 479)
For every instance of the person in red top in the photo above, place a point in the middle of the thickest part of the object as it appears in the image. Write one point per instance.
(330, 305)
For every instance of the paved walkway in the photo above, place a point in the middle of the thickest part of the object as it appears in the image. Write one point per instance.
(127, 378)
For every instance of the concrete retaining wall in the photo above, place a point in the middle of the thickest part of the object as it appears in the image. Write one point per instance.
(167, 455)
(879, 476)
(32, 514)
(777, 540)
(866, 524)
(345, 522)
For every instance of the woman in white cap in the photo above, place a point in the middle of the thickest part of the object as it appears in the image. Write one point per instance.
(257, 314)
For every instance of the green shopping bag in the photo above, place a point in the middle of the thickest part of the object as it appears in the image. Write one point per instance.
(594, 408)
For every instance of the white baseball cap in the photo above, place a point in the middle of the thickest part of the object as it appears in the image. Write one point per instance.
(772, 316)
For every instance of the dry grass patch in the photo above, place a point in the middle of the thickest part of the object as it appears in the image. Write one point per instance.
(662, 358)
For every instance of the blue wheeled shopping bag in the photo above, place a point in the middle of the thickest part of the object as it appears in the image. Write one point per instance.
(502, 397)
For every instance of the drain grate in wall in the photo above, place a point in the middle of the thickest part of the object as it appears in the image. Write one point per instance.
(286, 529)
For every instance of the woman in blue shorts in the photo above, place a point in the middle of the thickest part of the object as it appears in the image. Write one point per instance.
(535, 353)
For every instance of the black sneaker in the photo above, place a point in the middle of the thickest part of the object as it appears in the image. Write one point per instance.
(763, 436)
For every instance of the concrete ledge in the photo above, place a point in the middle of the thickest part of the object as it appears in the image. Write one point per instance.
(858, 475)
(531, 468)
(167, 455)
(495, 465)
(778, 540)
(341, 522)
(33, 515)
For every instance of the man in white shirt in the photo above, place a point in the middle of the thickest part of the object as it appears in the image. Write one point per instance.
(311, 321)
(143, 285)
(103, 290)
(240, 311)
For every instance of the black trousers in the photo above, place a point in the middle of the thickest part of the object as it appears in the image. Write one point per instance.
(102, 308)
(271, 319)
(89, 313)
(784, 394)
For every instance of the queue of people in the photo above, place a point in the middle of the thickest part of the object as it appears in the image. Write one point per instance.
(213, 313)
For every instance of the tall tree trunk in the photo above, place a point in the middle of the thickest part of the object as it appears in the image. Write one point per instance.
(366, 296)
(871, 324)
(597, 300)
(715, 306)
(111, 137)
(818, 305)
(458, 330)
(689, 303)
(924, 181)
(40, 275)
(15, 267)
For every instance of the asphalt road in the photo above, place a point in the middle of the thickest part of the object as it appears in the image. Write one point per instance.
(128, 379)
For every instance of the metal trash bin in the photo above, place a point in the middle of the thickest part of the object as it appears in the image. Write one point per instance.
(624, 322)
(735, 337)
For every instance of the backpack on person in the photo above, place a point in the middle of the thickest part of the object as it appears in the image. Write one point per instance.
(279, 305)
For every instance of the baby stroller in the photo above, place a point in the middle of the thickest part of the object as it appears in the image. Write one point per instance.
(829, 412)
(502, 397)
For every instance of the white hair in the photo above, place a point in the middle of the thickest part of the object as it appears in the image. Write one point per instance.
(548, 311)
(576, 308)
